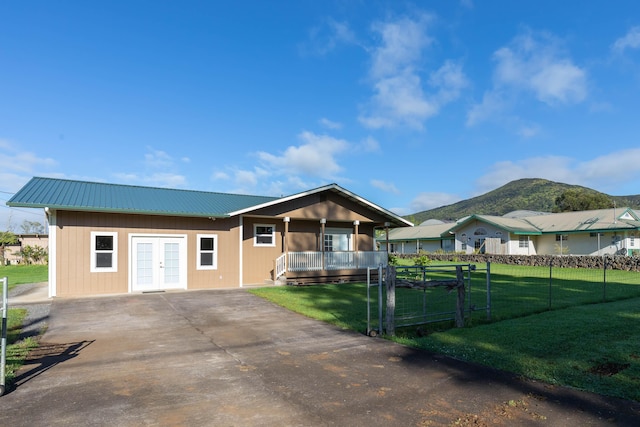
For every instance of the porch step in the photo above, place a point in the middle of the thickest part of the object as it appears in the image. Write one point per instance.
(280, 281)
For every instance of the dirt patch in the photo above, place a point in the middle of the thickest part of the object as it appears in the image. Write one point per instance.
(513, 412)
(608, 369)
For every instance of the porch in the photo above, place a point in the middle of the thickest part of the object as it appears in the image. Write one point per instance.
(336, 262)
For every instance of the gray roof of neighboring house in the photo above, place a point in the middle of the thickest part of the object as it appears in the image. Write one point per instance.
(513, 225)
(65, 194)
(432, 222)
(524, 214)
(592, 221)
(420, 232)
(535, 224)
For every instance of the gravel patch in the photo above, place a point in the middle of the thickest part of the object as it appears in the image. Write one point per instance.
(37, 318)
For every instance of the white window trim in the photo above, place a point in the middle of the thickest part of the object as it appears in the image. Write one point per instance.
(114, 252)
(199, 251)
(255, 235)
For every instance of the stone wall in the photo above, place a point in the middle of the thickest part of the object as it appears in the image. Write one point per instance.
(626, 263)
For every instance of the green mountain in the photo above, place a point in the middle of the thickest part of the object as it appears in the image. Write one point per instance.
(531, 194)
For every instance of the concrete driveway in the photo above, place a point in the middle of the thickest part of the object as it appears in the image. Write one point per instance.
(228, 358)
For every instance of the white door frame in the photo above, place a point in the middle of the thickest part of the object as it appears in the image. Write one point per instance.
(183, 255)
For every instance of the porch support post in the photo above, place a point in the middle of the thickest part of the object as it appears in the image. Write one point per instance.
(285, 243)
(386, 232)
(323, 222)
(356, 223)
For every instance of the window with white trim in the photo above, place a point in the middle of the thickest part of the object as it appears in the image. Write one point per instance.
(207, 249)
(523, 242)
(104, 251)
(264, 235)
(338, 239)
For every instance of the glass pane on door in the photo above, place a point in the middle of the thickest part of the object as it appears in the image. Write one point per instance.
(171, 263)
(144, 270)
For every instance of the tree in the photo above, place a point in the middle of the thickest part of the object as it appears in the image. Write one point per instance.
(581, 200)
(33, 254)
(6, 238)
(32, 227)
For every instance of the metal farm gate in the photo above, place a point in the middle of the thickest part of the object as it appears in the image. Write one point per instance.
(406, 296)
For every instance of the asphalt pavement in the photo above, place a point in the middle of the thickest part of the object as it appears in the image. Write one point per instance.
(228, 358)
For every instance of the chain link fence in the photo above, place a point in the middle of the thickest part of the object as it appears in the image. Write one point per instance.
(496, 292)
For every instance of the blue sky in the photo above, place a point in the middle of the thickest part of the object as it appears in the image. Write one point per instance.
(412, 105)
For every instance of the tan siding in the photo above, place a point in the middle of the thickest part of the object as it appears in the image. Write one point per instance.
(258, 260)
(74, 250)
(326, 205)
(74, 244)
(304, 235)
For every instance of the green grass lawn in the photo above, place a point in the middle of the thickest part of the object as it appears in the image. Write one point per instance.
(591, 345)
(518, 291)
(19, 274)
(17, 350)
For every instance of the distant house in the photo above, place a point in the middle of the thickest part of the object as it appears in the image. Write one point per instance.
(596, 232)
(430, 237)
(13, 254)
(107, 238)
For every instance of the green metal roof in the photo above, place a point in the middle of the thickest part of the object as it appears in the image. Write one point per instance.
(101, 197)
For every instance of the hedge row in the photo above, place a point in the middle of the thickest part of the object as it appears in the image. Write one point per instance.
(626, 263)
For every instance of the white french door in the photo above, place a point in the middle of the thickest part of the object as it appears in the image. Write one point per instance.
(158, 262)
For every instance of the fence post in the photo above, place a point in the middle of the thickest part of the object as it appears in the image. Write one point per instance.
(380, 298)
(391, 300)
(488, 290)
(461, 294)
(550, 280)
(3, 340)
(604, 281)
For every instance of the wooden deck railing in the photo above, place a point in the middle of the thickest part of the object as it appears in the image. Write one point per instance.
(342, 260)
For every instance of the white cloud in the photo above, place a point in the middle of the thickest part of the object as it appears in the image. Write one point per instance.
(326, 37)
(532, 63)
(631, 40)
(220, 176)
(159, 169)
(165, 179)
(401, 47)
(329, 124)
(370, 144)
(529, 131)
(14, 159)
(426, 201)
(554, 168)
(315, 157)
(492, 104)
(449, 80)
(157, 158)
(603, 173)
(539, 66)
(160, 179)
(246, 178)
(127, 178)
(609, 169)
(387, 187)
(400, 98)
